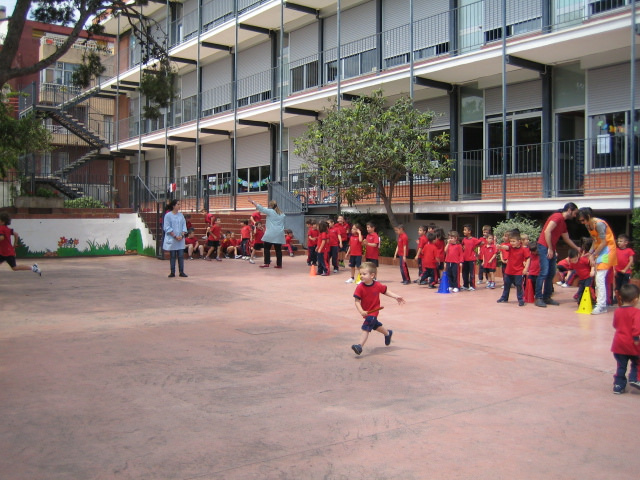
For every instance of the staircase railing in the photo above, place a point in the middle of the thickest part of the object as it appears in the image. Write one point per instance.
(287, 202)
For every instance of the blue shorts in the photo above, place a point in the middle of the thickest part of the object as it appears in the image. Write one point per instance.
(371, 323)
(355, 261)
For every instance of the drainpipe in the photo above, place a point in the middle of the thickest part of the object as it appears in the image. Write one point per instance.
(504, 105)
(234, 151)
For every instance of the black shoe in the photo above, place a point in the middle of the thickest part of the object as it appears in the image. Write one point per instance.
(502, 300)
(416, 281)
(171, 275)
(550, 301)
(357, 349)
(538, 302)
(618, 389)
(406, 283)
(424, 283)
(184, 275)
(521, 303)
(387, 338)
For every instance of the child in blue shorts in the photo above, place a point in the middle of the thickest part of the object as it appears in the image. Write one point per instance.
(367, 297)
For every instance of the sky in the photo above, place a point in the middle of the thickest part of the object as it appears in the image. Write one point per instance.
(10, 4)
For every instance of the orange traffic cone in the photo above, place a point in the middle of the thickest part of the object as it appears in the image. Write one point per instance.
(312, 272)
(529, 295)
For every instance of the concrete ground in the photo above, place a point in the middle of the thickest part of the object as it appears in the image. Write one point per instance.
(111, 370)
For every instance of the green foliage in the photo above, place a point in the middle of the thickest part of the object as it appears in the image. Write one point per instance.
(90, 67)
(387, 245)
(149, 252)
(20, 136)
(134, 241)
(526, 225)
(22, 251)
(45, 192)
(370, 147)
(94, 249)
(158, 86)
(83, 202)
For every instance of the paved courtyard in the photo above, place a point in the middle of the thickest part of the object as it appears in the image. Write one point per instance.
(111, 370)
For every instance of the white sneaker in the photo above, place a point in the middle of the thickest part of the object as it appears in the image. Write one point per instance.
(559, 283)
(455, 290)
(564, 285)
(598, 310)
(251, 260)
(36, 269)
(238, 257)
(350, 280)
(471, 289)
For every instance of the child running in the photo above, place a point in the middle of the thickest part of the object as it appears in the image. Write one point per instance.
(7, 250)
(626, 341)
(367, 297)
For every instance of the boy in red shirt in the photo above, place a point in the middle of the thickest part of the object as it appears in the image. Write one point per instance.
(323, 248)
(354, 253)
(335, 240)
(7, 251)
(367, 295)
(191, 243)
(288, 238)
(420, 243)
(257, 241)
(430, 259)
(402, 250)
(626, 341)
(534, 265)
(343, 230)
(372, 242)
(214, 237)
(469, 258)
(312, 242)
(585, 272)
(453, 259)
(489, 257)
(245, 238)
(625, 263)
(517, 266)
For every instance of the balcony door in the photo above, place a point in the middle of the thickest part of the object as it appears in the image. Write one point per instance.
(570, 153)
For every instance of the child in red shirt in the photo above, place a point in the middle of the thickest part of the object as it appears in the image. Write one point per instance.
(430, 261)
(534, 265)
(354, 253)
(7, 250)
(334, 243)
(489, 257)
(245, 238)
(191, 243)
(453, 259)
(517, 266)
(469, 258)
(323, 248)
(420, 243)
(257, 241)
(288, 238)
(626, 341)
(372, 242)
(367, 295)
(402, 250)
(312, 242)
(625, 262)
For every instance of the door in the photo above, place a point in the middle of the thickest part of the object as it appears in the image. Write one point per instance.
(570, 153)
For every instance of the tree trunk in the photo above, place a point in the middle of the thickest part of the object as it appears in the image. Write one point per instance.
(386, 200)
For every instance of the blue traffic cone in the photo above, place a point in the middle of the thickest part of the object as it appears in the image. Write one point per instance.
(444, 283)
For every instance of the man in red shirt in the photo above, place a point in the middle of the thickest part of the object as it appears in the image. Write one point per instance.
(554, 228)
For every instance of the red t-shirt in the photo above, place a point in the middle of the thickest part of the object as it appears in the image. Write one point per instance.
(257, 235)
(421, 242)
(215, 233)
(6, 249)
(312, 235)
(582, 267)
(566, 264)
(245, 232)
(333, 237)
(534, 264)
(342, 230)
(256, 217)
(403, 244)
(623, 258)
(469, 245)
(369, 295)
(323, 242)
(191, 241)
(430, 255)
(208, 217)
(517, 257)
(439, 243)
(287, 239)
(486, 252)
(626, 321)
(355, 246)
(561, 227)
(373, 252)
(454, 253)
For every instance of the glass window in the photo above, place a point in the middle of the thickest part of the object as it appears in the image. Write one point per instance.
(218, 183)
(253, 179)
(495, 156)
(524, 149)
(609, 134)
(471, 105)
(568, 86)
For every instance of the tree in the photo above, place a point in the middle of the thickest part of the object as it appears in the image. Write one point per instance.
(78, 14)
(19, 137)
(370, 147)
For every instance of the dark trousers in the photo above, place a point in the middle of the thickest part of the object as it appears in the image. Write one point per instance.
(582, 284)
(267, 253)
(333, 253)
(452, 273)
(513, 280)
(313, 256)
(404, 270)
(468, 272)
(179, 254)
(244, 247)
(428, 275)
(620, 378)
(322, 263)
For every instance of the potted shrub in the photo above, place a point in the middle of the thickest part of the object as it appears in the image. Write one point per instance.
(42, 198)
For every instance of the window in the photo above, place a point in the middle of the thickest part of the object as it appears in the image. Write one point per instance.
(524, 149)
(218, 183)
(253, 179)
(59, 73)
(609, 140)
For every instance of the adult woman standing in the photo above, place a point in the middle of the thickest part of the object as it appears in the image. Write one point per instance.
(175, 229)
(602, 254)
(274, 233)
